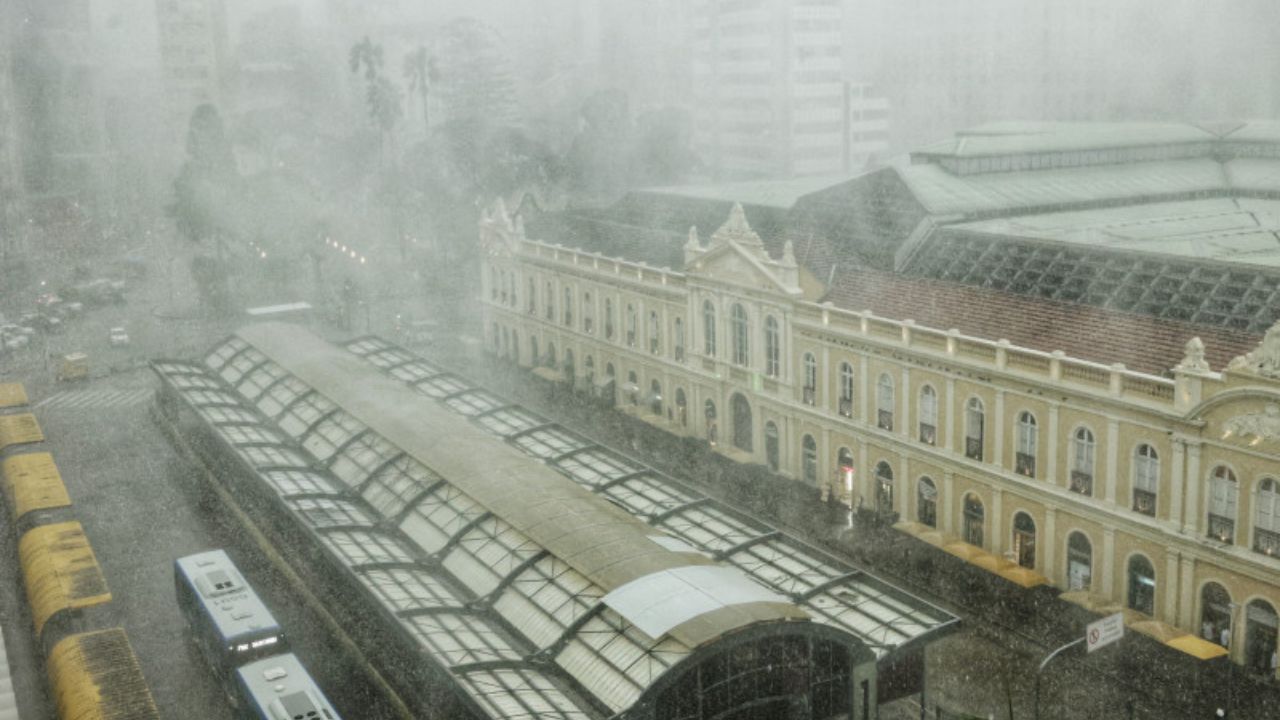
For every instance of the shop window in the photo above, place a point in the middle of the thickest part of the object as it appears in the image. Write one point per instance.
(1222, 505)
(772, 446)
(927, 502)
(1215, 614)
(1024, 462)
(1024, 540)
(1142, 585)
(1079, 562)
(809, 460)
(974, 517)
(884, 488)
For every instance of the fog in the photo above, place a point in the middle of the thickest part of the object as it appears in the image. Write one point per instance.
(172, 169)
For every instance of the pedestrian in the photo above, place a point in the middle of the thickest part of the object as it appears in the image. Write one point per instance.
(1226, 637)
(1206, 631)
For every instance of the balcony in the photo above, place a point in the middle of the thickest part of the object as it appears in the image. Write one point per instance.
(1024, 464)
(884, 420)
(1222, 529)
(1266, 542)
(973, 448)
(846, 409)
(928, 434)
(809, 396)
(1082, 482)
(1144, 502)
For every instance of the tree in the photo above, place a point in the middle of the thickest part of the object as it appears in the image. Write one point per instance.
(420, 74)
(381, 95)
(203, 193)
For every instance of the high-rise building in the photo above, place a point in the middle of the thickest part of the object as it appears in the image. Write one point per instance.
(11, 191)
(193, 45)
(769, 90)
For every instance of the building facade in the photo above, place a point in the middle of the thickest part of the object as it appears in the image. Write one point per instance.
(1115, 454)
(193, 50)
(770, 97)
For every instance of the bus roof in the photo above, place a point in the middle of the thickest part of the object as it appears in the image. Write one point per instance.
(268, 310)
(282, 679)
(233, 606)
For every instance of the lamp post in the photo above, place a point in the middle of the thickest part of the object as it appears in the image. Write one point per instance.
(1043, 663)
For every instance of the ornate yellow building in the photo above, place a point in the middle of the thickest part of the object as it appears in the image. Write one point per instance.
(1111, 453)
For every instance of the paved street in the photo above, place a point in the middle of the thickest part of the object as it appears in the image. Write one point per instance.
(142, 505)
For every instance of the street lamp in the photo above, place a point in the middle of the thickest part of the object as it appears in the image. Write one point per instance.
(1040, 670)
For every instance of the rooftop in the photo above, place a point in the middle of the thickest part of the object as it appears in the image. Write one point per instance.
(1142, 343)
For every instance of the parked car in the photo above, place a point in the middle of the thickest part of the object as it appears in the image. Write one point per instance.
(73, 367)
(118, 337)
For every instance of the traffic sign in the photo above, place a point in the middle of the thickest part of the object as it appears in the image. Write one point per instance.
(1104, 632)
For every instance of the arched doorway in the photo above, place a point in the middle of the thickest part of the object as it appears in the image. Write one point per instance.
(655, 397)
(589, 370)
(741, 422)
(772, 446)
(712, 431)
(1024, 540)
(974, 517)
(809, 460)
(608, 392)
(632, 388)
(1215, 614)
(884, 488)
(682, 409)
(844, 471)
(1260, 636)
(1079, 561)
(927, 502)
(1142, 585)
(569, 369)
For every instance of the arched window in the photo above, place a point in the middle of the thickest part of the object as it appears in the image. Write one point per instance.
(974, 428)
(550, 359)
(1079, 561)
(927, 502)
(1024, 461)
(741, 335)
(682, 408)
(549, 299)
(588, 314)
(1082, 451)
(568, 306)
(1266, 518)
(608, 318)
(1222, 504)
(631, 322)
(846, 390)
(655, 397)
(1215, 614)
(809, 460)
(708, 329)
(589, 369)
(772, 446)
(742, 431)
(534, 358)
(772, 348)
(844, 470)
(1024, 540)
(533, 297)
(928, 415)
(569, 370)
(810, 391)
(655, 333)
(1260, 637)
(632, 387)
(974, 517)
(609, 390)
(1146, 476)
(1142, 585)
(678, 340)
(884, 402)
(713, 431)
(884, 488)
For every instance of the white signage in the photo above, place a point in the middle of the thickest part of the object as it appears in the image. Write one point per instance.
(1104, 632)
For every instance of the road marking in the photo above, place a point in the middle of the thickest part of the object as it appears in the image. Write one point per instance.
(94, 399)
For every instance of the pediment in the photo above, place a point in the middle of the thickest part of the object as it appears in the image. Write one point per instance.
(733, 265)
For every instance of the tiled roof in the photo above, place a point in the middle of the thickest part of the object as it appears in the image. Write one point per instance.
(1142, 343)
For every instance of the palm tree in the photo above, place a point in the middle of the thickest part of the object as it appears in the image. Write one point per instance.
(382, 95)
(419, 74)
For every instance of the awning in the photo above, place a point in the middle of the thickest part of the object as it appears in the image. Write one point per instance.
(547, 373)
(631, 388)
(991, 563)
(1024, 577)
(1162, 631)
(1086, 600)
(1197, 647)
(962, 550)
(12, 395)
